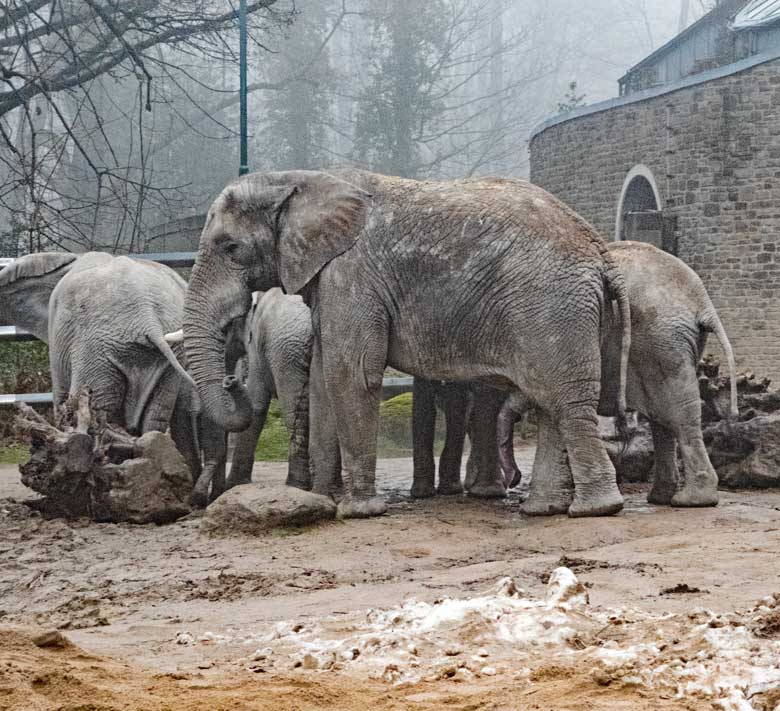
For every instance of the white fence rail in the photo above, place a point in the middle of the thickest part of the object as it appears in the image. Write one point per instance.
(390, 386)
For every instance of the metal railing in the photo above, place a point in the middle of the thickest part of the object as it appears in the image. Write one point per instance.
(390, 386)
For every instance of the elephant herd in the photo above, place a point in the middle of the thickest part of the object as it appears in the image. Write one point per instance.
(489, 291)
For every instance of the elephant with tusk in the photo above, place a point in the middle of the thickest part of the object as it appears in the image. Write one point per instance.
(104, 319)
(474, 279)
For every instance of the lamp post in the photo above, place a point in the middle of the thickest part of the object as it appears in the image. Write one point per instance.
(243, 168)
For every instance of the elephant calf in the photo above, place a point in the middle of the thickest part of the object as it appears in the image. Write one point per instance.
(671, 316)
(277, 342)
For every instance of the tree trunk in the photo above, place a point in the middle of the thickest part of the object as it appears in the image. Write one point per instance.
(86, 467)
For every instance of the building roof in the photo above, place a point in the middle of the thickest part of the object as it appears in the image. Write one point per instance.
(757, 14)
(721, 11)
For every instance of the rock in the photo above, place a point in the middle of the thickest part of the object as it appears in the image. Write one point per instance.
(310, 661)
(252, 509)
(746, 454)
(52, 638)
(153, 487)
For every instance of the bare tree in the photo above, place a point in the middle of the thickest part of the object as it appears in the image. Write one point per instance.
(444, 89)
(82, 82)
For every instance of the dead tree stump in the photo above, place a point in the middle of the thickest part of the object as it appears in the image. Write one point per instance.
(87, 467)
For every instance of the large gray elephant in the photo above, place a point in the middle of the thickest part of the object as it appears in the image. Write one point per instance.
(485, 279)
(104, 319)
(671, 316)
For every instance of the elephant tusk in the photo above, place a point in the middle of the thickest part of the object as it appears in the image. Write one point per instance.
(175, 336)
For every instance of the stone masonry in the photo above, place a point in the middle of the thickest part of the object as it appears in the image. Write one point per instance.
(714, 150)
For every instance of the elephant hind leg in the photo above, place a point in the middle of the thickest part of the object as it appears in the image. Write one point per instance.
(595, 483)
(700, 482)
(665, 472)
(551, 490)
(483, 458)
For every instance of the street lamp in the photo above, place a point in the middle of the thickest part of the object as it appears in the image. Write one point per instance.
(243, 168)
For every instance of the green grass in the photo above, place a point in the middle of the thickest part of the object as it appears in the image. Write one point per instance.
(14, 454)
(274, 441)
(395, 431)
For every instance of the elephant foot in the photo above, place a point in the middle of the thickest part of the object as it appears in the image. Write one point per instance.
(524, 490)
(494, 490)
(422, 489)
(604, 501)
(548, 504)
(361, 508)
(335, 493)
(237, 481)
(695, 497)
(450, 488)
(297, 483)
(660, 496)
(199, 499)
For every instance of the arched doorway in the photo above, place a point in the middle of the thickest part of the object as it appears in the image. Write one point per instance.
(639, 215)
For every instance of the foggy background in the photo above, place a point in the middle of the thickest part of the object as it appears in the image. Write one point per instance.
(117, 116)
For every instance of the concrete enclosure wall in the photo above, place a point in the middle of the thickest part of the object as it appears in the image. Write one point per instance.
(713, 150)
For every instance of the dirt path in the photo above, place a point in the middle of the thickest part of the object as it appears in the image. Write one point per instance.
(191, 611)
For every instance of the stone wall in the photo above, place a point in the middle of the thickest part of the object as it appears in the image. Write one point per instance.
(714, 150)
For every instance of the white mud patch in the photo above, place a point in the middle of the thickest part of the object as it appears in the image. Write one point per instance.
(732, 661)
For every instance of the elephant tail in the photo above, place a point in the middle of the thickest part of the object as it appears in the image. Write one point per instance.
(711, 323)
(158, 340)
(616, 290)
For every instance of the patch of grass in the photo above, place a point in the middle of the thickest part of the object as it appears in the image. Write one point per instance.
(274, 441)
(395, 431)
(14, 454)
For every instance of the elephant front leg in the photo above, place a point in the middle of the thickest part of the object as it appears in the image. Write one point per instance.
(354, 391)
(324, 454)
(551, 489)
(505, 438)
(423, 433)
(664, 465)
(456, 411)
(483, 458)
(298, 469)
(244, 449)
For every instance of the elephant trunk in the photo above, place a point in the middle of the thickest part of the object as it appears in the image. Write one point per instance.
(211, 304)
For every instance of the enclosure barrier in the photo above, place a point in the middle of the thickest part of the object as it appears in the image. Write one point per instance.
(176, 260)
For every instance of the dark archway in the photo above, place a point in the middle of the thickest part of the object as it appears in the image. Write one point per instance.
(639, 214)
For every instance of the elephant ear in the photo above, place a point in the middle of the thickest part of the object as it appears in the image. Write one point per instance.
(321, 219)
(26, 286)
(35, 265)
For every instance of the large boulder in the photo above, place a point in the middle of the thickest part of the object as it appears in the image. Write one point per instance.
(253, 509)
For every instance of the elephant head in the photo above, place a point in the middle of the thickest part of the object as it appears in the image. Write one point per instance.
(264, 230)
(26, 286)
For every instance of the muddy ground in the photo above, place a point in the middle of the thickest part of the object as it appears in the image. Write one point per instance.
(166, 618)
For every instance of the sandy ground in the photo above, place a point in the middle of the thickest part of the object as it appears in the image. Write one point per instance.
(345, 614)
